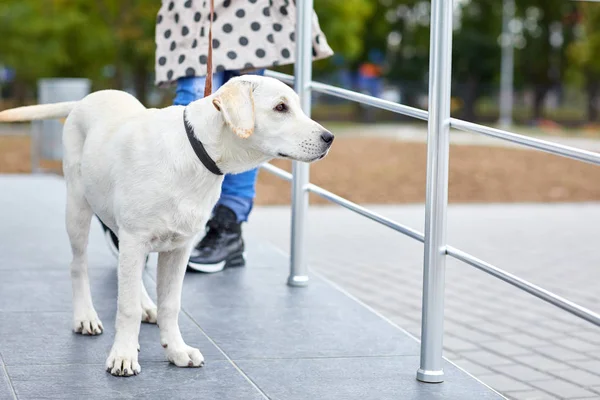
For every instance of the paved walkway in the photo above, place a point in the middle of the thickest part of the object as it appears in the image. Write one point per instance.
(261, 339)
(521, 346)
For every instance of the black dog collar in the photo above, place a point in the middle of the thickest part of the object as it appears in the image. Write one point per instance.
(199, 148)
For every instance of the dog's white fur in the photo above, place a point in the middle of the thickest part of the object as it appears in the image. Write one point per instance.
(135, 169)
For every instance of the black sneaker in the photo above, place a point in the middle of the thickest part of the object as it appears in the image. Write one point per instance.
(222, 246)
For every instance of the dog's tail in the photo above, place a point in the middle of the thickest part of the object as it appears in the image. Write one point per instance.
(42, 111)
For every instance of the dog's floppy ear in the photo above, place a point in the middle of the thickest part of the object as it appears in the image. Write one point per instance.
(236, 104)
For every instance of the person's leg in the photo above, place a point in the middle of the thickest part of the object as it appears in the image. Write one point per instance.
(223, 246)
(192, 88)
(238, 192)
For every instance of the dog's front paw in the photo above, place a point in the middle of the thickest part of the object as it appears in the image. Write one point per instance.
(87, 323)
(123, 361)
(149, 314)
(184, 356)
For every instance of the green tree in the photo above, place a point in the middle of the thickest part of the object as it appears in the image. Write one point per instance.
(547, 33)
(49, 43)
(476, 51)
(583, 53)
(403, 28)
(130, 27)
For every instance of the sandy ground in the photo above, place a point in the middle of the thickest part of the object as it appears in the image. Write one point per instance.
(385, 171)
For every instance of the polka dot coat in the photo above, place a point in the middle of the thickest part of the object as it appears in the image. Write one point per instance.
(247, 34)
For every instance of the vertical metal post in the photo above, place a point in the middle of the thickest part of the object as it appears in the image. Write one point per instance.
(303, 75)
(507, 66)
(440, 62)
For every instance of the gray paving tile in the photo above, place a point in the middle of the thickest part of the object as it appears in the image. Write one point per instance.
(487, 358)
(457, 344)
(470, 334)
(356, 378)
(6, 390)
(555, 325)
(577, 344)
(493, 328)
(526, 340)
(450, 355)
(591, 366)
(530, 395)
(50, 290)
(589, 336)
(563, 389)
(522, 373)
(254, 287)
(472, 368)
(595, 397)
(541, 362)
(464, 318)
(544, 333)
(560, 353)
(503, 383)
(512, 322)
(506, 348)
(23, 234)
(316, 319)
(579, 377)
(46, 338)
(276, 331)
(216, 380)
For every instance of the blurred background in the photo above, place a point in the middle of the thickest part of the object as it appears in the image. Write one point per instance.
(382, 46)
(529, 66)
(540, 56)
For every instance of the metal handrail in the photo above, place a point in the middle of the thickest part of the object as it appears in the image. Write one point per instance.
(439, 124)
(533, 143)
(453, 252)
(526, 286)
(334, 198)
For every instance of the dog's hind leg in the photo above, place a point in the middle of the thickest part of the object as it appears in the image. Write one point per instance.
(171, 270)
(123, 357)
(78, 220)
(79, 217)
(148, 307)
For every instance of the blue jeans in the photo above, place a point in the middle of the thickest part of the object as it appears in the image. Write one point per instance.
(238, 190)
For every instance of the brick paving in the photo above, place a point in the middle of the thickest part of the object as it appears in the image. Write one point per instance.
(517, 344)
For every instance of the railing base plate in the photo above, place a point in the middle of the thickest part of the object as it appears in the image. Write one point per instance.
(430, 376)
(298, 280)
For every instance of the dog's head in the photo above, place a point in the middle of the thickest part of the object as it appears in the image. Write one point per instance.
(266, 114)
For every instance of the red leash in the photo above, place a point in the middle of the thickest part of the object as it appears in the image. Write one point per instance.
(209, 73)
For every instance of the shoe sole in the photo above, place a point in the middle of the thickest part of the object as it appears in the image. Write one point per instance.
(235, 261)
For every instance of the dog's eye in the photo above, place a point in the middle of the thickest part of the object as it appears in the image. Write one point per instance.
(281, 107)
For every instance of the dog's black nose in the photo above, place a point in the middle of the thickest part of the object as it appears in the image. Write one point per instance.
(327, 137)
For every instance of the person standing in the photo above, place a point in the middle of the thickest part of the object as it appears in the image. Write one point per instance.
(248, 37)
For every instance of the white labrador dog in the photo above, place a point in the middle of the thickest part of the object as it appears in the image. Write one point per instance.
(153, 179)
